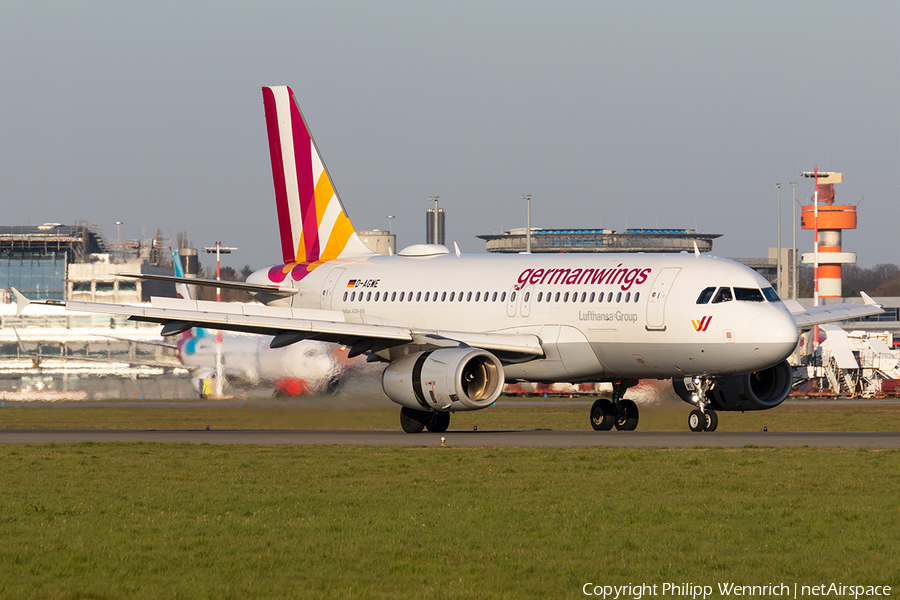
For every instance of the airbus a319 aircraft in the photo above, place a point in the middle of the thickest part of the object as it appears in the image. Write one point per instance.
(454, 328)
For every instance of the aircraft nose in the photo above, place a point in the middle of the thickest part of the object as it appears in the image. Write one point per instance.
(776, 334)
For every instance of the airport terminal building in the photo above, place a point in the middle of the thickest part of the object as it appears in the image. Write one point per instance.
(75, 262)
(600, 240)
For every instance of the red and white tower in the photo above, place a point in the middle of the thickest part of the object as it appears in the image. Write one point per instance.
(827, 220)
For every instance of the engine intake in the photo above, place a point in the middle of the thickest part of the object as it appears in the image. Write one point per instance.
(759, 390)
(447, 379)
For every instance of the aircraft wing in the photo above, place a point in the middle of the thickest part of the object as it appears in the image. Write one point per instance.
(817, 315)
(289, 325)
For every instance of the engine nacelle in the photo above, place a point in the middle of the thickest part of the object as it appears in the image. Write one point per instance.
(759, 390)
(447, 379)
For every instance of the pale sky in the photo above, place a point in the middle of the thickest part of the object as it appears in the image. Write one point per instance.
(611, 114)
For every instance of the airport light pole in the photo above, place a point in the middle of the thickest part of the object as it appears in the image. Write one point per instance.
(389, 218)
(794, 261)
(778, 260)
(219, 249)
(527, 199)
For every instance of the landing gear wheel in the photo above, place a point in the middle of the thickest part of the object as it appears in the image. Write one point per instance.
(603, 415)
(439, 422)
(712, 421)
(627, 417)
(697, 420)
(413, 421)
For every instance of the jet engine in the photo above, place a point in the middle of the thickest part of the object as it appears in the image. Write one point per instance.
(759, 390)
(447, 379)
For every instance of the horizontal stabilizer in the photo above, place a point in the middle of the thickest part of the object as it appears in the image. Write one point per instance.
(253, 288)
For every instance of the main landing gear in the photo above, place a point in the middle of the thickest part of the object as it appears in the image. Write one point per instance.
(414, 421)
(702, 418)
(619, 412)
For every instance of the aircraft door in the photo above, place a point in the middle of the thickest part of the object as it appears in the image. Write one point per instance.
(511, 301)
(527, 298)
(329, 289)
(656, 304)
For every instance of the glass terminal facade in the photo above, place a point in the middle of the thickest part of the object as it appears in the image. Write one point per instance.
(35, 274)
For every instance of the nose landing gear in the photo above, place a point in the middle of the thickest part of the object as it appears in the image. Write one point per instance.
(621, 413)
(702, 418)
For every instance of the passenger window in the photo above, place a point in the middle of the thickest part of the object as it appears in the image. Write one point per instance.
(486, 296)
(557, 296)
(469, 297)
(477, 296)
(512, 297)
(636, 296)
(540, 296)
(394, 296)
(747, 295)
(592, 297)
(583, 296)
(771, 295)
(619, 297)
(628, 297)
(376, 296)
(452, 296)
(600, 297)
(409, 297)
(503, 297)
(426, 295)
(353, 296)
(401, 295)
(345, 296)
(527, 295)
(705, 295)
(368, 296)
(566, 297)
(494, 297)
(724, 295)
(443, 296)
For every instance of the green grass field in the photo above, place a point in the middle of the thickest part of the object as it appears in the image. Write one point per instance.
(187, 521)
(200, 521)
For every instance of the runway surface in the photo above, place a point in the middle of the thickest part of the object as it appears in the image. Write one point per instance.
(630, 439)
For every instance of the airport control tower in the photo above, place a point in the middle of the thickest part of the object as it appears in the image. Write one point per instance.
(827, 220)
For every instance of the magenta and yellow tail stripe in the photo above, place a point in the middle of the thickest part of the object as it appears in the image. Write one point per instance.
(311, 219)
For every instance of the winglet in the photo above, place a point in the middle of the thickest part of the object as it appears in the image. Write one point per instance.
(866, 298)
(456, 247)
(696, 249)
(21, 301)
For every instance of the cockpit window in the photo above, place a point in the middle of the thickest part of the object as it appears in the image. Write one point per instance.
(705, 295)
(770, 295)
(747, 295)
(723, 295)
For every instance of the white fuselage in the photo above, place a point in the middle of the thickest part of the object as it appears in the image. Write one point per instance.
(599, 316)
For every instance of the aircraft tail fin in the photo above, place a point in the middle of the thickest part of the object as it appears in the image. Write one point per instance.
(311, 218)
(181, 289)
